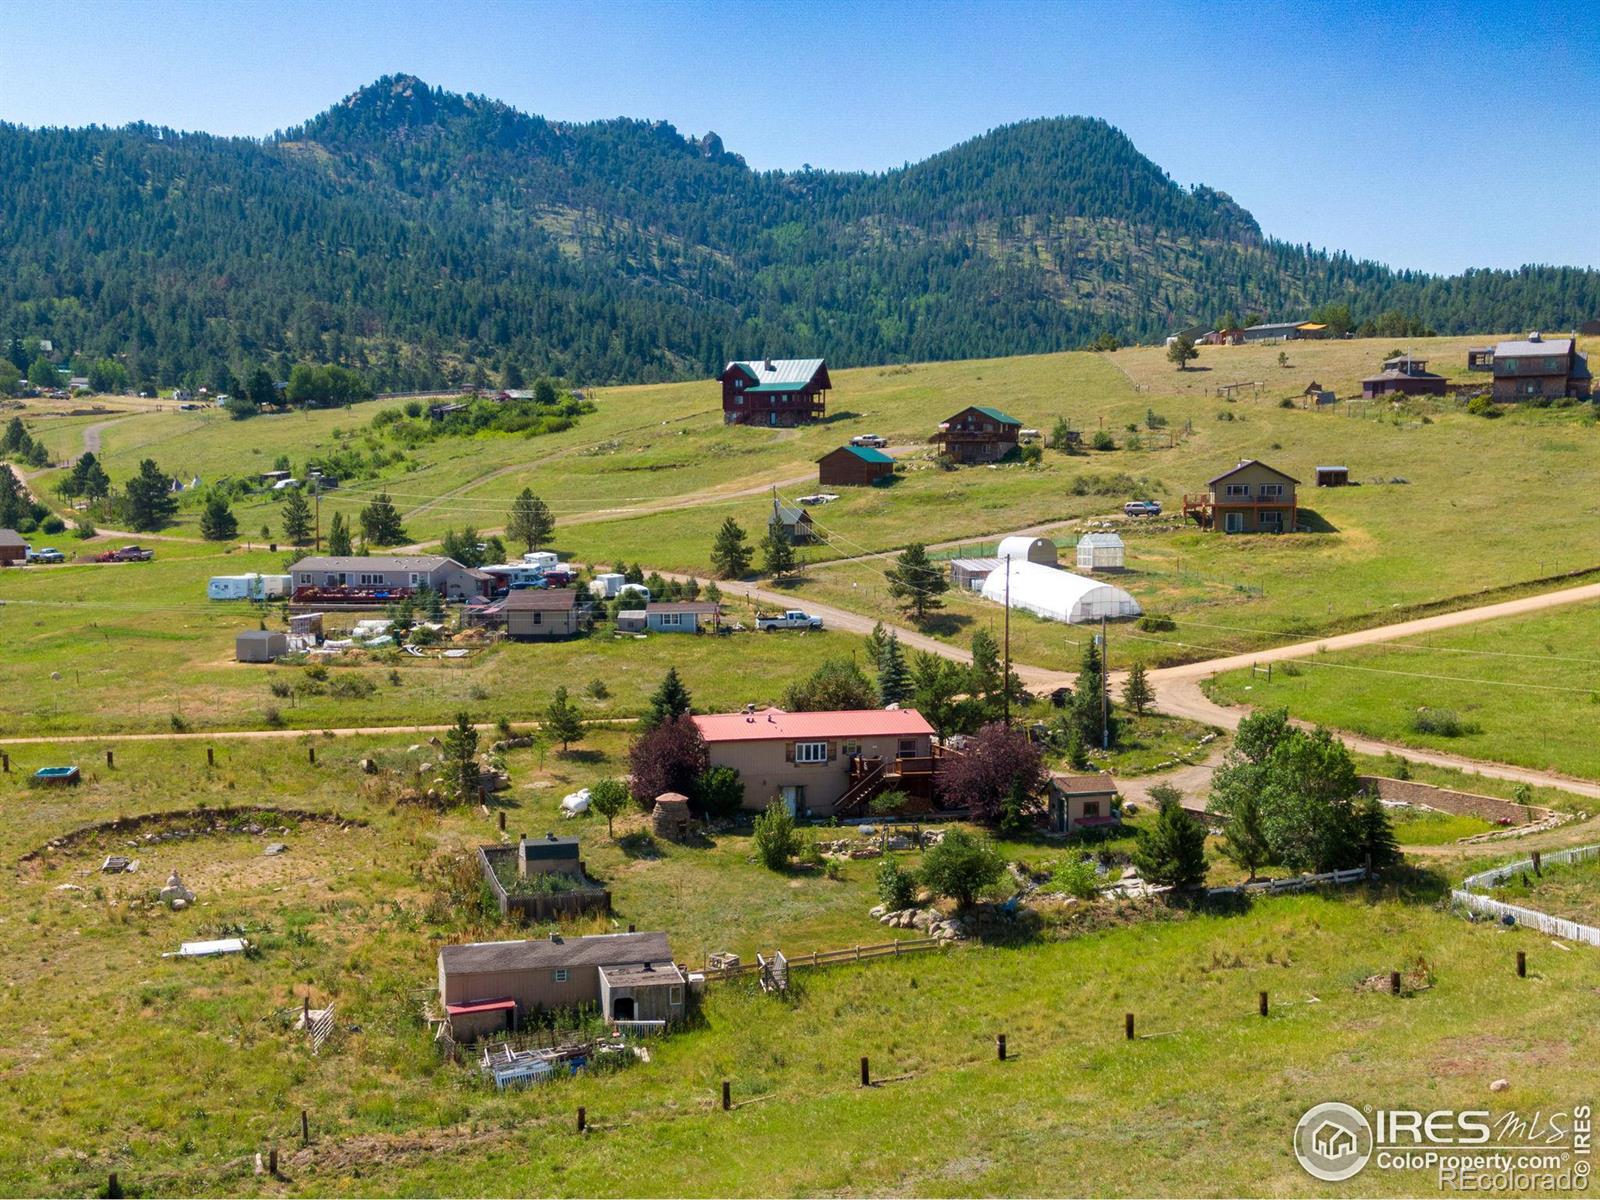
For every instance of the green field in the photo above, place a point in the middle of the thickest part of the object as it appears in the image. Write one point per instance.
(1526, 690)
(174, 1074)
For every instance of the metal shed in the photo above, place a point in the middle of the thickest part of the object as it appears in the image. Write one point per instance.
(1021, 548)
(260, 645)
(1101, 552)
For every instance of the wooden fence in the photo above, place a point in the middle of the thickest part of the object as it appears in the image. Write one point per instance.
(1467, 897)
(540, 906)
(824, 958)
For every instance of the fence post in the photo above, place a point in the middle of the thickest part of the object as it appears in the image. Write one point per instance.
(1127, 1026)
(1000, 1046)
(211, 756)
(502, 820)
(305, 1128)
(1262, 1004)
(866, 1075)
(311, 755)
(113, 1188)
(5, 762)
(1536, 863)
(272, 1162)
(1394, 983)
(111, 760)
(727, 1095)
(1522, 964)
(583, 1119)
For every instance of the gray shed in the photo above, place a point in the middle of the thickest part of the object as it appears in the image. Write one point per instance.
(647, 991)
(260, 645)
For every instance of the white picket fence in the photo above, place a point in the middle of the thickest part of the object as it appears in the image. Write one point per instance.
(1468, 898)
(1298, 883)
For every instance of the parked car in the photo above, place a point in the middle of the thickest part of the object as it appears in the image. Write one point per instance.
(793, 619)
(869, 439)
(126, 554)
(1142, 508)
(46, 554)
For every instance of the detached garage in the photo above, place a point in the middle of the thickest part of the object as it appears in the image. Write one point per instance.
(1058, 595)
(260, 646)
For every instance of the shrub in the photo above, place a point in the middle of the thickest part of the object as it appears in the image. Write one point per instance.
(1155, 623)
(1030, 456)
(720, 792)
(1482, 406)
(897, 887)
(776, 839)
(1443, 722)
(1075, 877)
(179, 725)
(961, 866)
(317, 672)
(1103, 440)
(53, 524)
(280, 688)
(596, 689)
(352, 687)
(273, 717)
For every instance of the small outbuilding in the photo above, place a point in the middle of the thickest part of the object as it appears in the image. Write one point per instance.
(646, 991)
(670, 817)
(1021, 548)
(260, 645)
(1333, 476)
(1082, 802)
(1101, 552)
(854, 466)
(969, 573)
(1058, 595)
(792, 523)
(13, 547)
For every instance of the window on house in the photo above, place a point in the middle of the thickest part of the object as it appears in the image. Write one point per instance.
(1237, 489)
(1271, 489)
(908, 747)
(1091, 808)
(675, 995)
(538, 618)
(670, 620)
(811, 752)
(561, 975)
(1233, 523)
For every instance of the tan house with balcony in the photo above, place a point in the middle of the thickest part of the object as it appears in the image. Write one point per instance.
(823, 764)
(1251, 498)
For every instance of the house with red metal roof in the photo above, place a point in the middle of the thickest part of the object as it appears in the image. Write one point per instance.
(823, 764)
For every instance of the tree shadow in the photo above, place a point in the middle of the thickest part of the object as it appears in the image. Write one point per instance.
(833, 418)
(948, 624)
(640, 844)
(586, 757)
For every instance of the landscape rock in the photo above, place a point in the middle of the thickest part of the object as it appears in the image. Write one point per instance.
(1499, 1085)
(275, 848)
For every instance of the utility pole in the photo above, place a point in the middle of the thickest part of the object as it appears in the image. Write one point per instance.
(1105, 688)
(1005, 670)
(316, 491)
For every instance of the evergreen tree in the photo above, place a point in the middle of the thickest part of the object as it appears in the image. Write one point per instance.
(894, 677)
(875, 641)
(296, 518)
(777, 555)
(916, 583)
(987, 672)
(460, 754)
(463, 546)
(730, 553)
(1378, 844)
(87, 479)
(1094, 723)
(1244, 838)
(562, 720)
(530, 521)
(339, 536)
(13, 503)
(217, 522)
(259, 389)
(151, 503)
(1182, 351)
(380, 522)
(1173, 851)
(671, 699)
(1136, 692)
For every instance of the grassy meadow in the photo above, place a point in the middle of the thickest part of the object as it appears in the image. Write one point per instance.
(174, 1074)
(1524, 690)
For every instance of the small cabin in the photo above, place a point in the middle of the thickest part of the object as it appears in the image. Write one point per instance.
(1333, 476)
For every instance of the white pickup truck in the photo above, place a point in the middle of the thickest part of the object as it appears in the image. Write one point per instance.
(793, 619)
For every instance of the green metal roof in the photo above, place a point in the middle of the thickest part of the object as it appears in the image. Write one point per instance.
(995, 413)
(868, 454)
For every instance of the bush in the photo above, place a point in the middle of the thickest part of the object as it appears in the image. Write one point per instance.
(1103, 440)
(1076, 878)
(280, 688)
(776, 839)
(1155, 623)
(596, 689)
(1030, 456)
(352, 687)
(897, 887)
(1443, 722)
(720, 792)
(961, 866)
(317, 672)
(1482, 406)
(53, 524)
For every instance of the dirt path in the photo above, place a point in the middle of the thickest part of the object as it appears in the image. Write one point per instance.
(91, 433)
(100, 534)
(265, 735)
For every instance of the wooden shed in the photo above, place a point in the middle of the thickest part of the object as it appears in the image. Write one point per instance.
(1333, 476)
(854, 466)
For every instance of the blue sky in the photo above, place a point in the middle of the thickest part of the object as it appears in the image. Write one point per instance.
(1431, 136)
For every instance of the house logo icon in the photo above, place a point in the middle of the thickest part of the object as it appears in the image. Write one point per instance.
(1333, 1141)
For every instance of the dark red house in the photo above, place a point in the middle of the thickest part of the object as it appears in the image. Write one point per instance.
(1403, 375)
(774, 391)
(854, 466)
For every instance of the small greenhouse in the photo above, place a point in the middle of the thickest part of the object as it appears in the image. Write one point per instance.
(1058, 595)
(1021, 548)
(1101, 552)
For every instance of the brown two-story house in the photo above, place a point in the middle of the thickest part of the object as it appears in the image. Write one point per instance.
(1251, 498)
(978, 435)
(822, 763)
(1538, 367)
(1403, 375)
(774, 391)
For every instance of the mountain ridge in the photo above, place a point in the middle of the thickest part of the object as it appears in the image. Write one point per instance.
(430, 237)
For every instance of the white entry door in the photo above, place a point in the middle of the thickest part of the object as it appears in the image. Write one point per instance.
(793, 798)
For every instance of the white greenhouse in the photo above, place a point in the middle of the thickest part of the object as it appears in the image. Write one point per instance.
(1058, 595)
(1101, 552)
(1020, 548)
